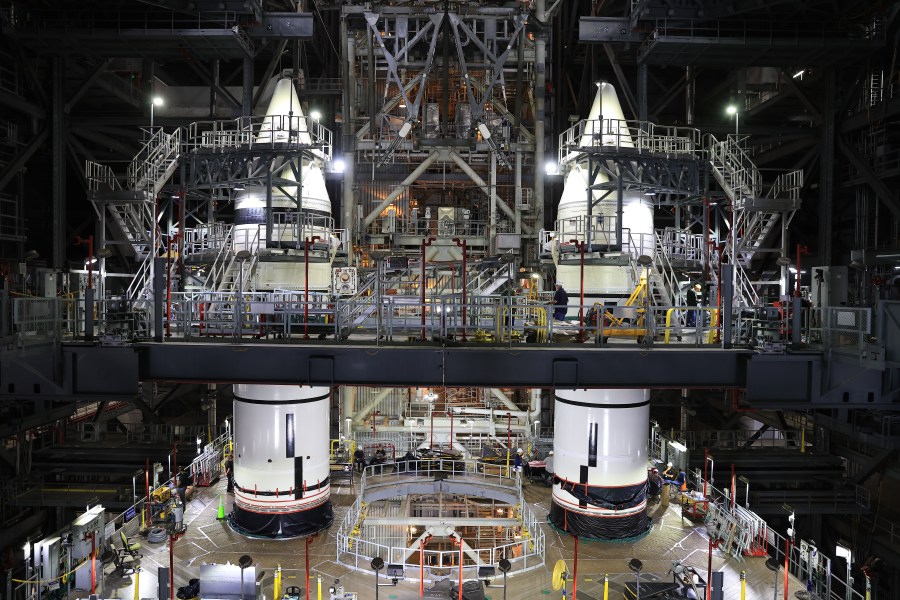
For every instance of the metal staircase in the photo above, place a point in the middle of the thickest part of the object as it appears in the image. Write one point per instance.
(663, 281)
(757, 215)
(131, 210)
(490, 279)
(230, 273)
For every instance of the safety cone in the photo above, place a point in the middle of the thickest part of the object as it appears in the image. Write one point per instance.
(221, 515)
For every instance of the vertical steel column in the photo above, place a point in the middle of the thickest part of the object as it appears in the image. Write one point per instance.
(689, 95)
(213, 98)
(826, 170)
(269, 216)
(727, 295)
(348, 203)
(58, 161)
(247, 87)
(540, 58)
(642, 92)
(492, 230)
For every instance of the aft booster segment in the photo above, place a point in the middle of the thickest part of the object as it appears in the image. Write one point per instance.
(282, 252)
(603, 132)
(600, 463)
(281, 485)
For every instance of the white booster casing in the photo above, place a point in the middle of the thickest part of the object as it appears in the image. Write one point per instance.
(281, 470)
(600, 462)
(605, 126)
(285, 123)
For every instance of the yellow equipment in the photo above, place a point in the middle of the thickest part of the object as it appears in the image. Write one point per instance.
(560, 574)
(161, 494)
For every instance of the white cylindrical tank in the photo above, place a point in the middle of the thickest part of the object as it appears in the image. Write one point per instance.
(281, 471)
(600, 460)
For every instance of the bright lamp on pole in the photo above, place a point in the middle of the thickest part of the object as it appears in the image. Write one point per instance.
(156, 101)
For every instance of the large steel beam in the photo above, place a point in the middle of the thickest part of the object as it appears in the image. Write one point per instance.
(604, 30)
(283, 25)
(885, 194)
(522, 366)
(22, 105)
(22, 158)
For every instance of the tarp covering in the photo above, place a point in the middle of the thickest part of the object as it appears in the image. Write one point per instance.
(282, 525)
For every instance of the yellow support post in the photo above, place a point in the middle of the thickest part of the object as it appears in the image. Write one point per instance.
(318, 587)
(137, 584)
(606, 587)
(276, 587)
(802, 440)
(743, 585)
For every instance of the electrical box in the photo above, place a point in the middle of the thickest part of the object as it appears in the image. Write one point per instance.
(509, 242)
(446, 221)
(344, 281)
(90, 523)
(46, 558)
(828, 286)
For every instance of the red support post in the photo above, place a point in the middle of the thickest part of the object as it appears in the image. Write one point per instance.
(460, 568)
(306, 244)
(422, 568)
(425, 243)
(462, 244)
(93, 563)
(787, 549)
(575, 573)
(308, 542)
(580, 246)
(732, 487)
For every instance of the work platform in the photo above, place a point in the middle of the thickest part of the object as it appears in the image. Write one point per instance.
(671, 538)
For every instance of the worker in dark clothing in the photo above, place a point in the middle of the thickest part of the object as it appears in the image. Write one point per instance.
(560, 303)
(694, 296)
(229, 474)
(182, 482)
(359, 460)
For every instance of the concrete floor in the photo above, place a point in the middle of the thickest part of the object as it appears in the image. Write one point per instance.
(210, 541)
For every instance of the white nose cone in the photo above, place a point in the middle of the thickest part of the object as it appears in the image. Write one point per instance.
(606, 122)
(284, 120)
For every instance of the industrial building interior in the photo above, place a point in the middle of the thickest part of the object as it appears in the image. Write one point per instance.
(446, 296)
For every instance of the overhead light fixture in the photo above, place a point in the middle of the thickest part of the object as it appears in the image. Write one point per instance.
(798, 74)
(338, 165)
(678, 446)
(731, 109)
(238, 187)
(158, 101)
(551, 168)
(316, 115)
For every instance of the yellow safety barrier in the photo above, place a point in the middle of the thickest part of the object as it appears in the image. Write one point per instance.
(276, 585)
(713, 320)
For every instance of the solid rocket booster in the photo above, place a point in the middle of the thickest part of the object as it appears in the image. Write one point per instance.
(281, 470)
(600, 461)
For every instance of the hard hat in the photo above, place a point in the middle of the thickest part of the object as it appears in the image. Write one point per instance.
(669, 464)
(550, 453)
(519, 451)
